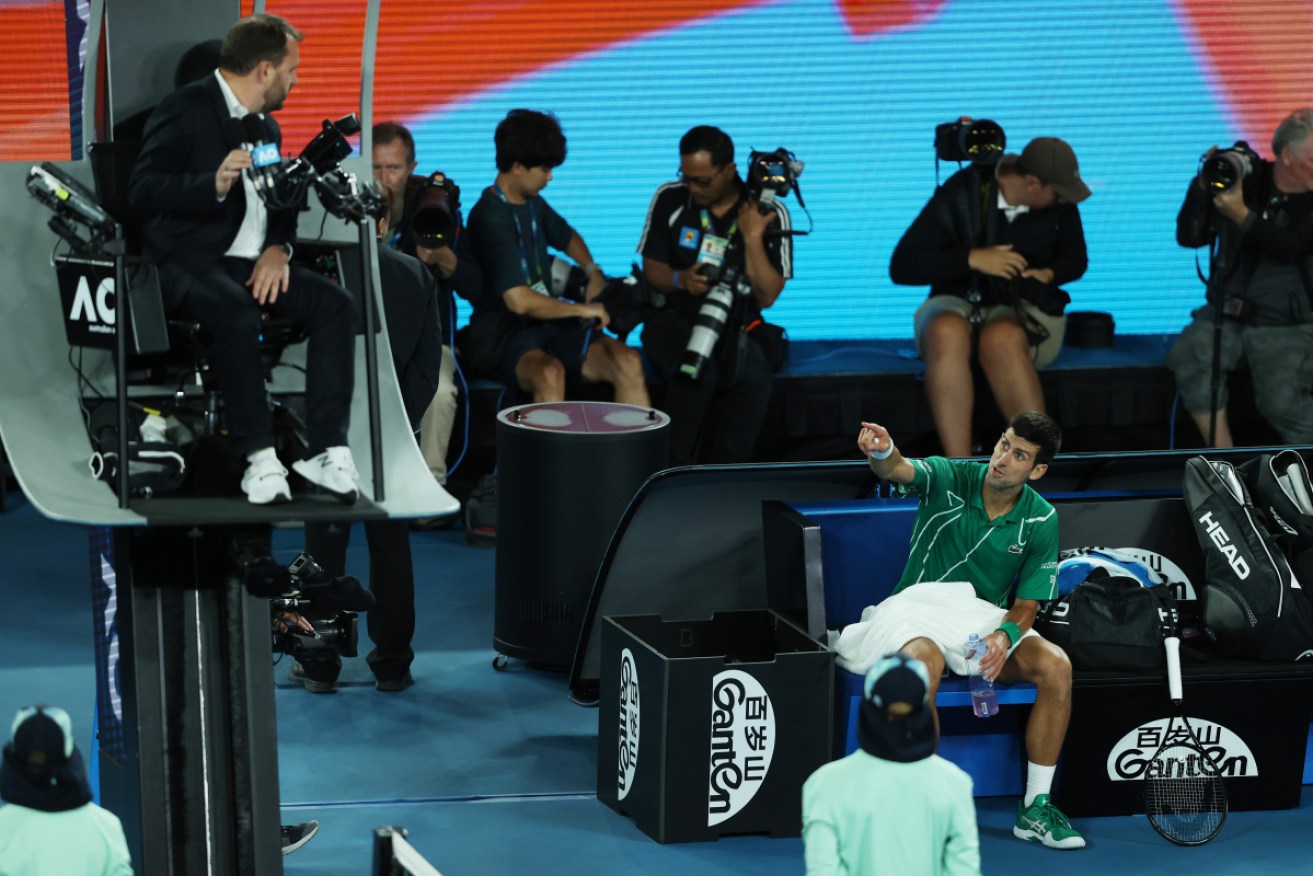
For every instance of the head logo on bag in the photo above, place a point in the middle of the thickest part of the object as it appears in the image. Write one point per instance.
(1254, 606)
(1223, 542)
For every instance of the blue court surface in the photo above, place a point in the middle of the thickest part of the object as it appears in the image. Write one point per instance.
(495, 772)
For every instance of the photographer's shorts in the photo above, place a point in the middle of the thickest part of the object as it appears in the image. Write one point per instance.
(565, 339)
(1048, 349)
(1280, 360)
(946, 612)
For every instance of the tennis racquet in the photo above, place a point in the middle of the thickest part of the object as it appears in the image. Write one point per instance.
(1184, 797)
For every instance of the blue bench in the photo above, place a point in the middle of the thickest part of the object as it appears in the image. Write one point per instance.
(853, 552)
(863, 549)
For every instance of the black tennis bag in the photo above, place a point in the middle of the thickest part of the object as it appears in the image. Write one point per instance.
(1280, 488)
(1109, 622)
(1254, 605)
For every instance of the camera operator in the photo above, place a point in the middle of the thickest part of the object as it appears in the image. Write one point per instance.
(697, 226)
(520, 334)
(410, 305)
(453, 266)
(224, 259)
(994, 243)
(1263, 224)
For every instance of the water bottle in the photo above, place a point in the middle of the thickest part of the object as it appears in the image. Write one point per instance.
(984, 699)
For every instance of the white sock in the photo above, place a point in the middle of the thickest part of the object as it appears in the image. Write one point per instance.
(1039, 780)
(263, 453)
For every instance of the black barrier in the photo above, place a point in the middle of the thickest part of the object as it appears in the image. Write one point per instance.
(1252, 718)
(709, 728)
(713, 514)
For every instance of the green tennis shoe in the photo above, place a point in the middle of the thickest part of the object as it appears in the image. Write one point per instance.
(1043, 822)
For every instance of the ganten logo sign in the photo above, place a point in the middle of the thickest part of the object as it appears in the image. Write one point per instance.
(629, 722)
(742, 743)
(1129, 757)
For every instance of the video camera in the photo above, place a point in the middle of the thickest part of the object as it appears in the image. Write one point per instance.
(304, 588)
(771, 175)
(979, 141)
(1227, 167)
(434, 218)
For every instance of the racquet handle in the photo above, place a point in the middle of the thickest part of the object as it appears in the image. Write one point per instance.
(1172, 645)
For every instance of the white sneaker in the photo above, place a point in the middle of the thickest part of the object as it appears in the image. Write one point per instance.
(265, 482)
(333, 470)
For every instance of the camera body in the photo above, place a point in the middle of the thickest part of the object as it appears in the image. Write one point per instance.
(772, 175)
(979, 141)
(1225, 168)
(434, 212)
(305, 588)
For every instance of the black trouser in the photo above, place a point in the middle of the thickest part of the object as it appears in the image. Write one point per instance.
(727, 419)
(391, 622)
(225, 309)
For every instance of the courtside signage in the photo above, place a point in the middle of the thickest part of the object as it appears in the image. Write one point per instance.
(1129, 757)
(629, 723)
(742, 743)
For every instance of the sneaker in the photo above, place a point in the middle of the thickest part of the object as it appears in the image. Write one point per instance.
(333, 470)
(1043, 822)
(297, 835)
(313, 685)
(391, 685)
(265, 482)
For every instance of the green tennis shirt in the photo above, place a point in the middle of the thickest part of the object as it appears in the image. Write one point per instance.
(954, 539)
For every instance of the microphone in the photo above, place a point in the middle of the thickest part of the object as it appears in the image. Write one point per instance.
(264, 154)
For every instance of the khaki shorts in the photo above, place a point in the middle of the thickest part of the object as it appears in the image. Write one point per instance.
(1048, 349)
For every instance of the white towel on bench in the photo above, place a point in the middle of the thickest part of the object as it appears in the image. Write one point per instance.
(946, 612)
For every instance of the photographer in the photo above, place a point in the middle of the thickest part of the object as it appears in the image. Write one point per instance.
(1263, 224)
(224, 259)
(698, 228)
(453, 266)
(994, 243)
(520, 334)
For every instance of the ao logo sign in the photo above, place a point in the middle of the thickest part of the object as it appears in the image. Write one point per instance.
(98, 311)
(742, 743)
(629, 723)
(1129, 757)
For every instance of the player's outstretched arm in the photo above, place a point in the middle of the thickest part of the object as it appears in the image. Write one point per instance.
(878, 447)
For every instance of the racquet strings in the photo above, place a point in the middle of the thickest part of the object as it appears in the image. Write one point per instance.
(1184, 797)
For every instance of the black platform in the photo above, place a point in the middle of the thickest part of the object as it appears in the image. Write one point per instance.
(1107, 399)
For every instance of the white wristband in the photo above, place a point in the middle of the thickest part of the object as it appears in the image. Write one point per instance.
(883, 454)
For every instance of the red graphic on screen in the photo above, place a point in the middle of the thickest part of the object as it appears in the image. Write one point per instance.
(1257, 52)
(34, 103)
(1261, 58)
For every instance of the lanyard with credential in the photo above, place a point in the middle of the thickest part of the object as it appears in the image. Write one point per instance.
(706, 225)
(519, 233)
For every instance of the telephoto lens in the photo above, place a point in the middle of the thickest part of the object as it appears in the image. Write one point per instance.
(1226, 167)
(710, 322)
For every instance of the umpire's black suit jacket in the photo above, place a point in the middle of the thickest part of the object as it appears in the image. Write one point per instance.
(185, 141)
